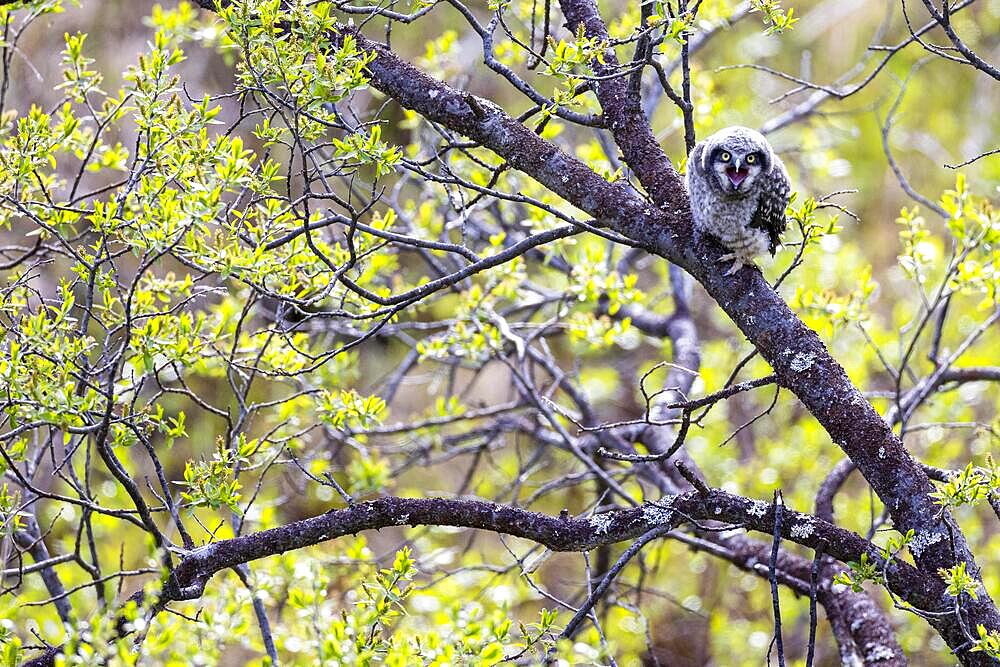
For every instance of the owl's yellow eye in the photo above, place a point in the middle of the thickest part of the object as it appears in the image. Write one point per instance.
(751, 159)
(725, 157)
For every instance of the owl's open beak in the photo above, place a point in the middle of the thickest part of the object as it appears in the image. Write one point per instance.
(737, 175)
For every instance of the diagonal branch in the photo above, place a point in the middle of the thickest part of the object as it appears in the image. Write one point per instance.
(799, 358)
(623, 111)
(944, 20)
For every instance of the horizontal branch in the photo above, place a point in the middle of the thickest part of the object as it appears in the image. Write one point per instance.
(558, 533)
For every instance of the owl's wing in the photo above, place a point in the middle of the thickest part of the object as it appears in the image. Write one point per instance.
(770, 213)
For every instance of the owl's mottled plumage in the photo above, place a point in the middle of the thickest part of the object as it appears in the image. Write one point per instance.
(739, 190)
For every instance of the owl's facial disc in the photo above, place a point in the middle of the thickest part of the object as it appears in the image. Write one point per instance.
(735, 169)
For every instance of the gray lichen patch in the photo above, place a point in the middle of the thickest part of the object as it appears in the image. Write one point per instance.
(878, 653)
(802, 530)
(802, 361)
(757, 508)
(924, 540)
(658, 513)
(601, 522)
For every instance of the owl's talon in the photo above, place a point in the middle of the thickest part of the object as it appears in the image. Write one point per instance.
(725, 258)
(737, 265)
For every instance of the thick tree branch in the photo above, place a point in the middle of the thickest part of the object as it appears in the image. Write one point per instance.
(558, 533)
(623, 111)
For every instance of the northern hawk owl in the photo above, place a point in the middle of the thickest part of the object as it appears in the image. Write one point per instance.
(739, 190)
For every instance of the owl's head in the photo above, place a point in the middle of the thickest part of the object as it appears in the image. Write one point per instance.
(735, 158)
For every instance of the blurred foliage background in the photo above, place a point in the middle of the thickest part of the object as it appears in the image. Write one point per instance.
(852, 288)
